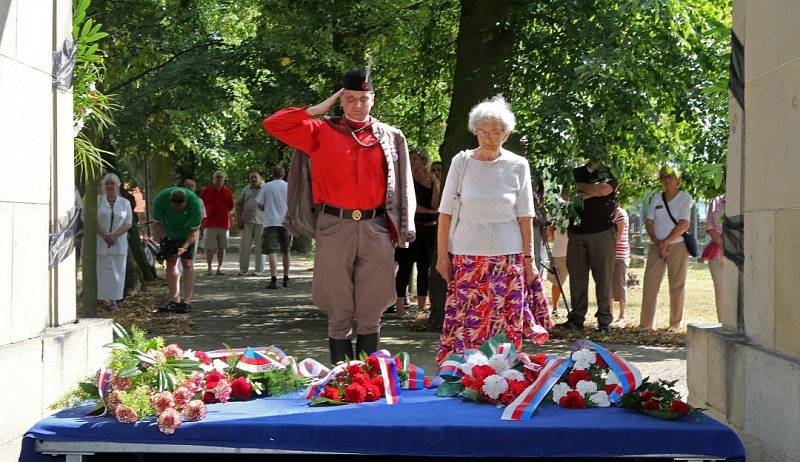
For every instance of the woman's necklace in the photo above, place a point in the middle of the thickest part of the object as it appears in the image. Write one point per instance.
(481, 158)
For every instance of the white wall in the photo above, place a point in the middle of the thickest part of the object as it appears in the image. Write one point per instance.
(39, 336)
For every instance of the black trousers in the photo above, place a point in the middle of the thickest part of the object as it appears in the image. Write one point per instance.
(420, 252)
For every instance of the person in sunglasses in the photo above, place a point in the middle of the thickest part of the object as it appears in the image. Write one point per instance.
(177, 214)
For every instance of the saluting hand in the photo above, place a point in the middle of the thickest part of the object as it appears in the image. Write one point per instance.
(324, 106)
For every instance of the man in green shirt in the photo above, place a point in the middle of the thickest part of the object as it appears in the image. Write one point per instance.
(177, 214)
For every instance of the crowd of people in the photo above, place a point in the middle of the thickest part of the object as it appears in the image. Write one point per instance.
(376, 209)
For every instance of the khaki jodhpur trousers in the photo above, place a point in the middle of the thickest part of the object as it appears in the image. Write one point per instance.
(676, 264)
(353, 273)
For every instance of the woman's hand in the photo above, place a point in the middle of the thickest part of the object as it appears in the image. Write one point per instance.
(443, 267)
(531, 274)
(111, 239)
(324, 106)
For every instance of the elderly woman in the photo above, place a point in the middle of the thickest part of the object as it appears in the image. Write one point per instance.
(667, 249)
(487, 256)
(421, 251)
(114, 219)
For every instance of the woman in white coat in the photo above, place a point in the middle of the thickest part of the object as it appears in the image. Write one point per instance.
(114, 219)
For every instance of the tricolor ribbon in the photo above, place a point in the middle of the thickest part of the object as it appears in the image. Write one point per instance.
(416, 374)
(254, 362)
(104, 381)
(317, 387)
(522, 408)
(450, 368)
(391, 381)
(629, 376)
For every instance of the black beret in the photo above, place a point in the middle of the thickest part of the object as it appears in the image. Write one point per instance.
(357, 80)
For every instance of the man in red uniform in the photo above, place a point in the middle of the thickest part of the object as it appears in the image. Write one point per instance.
(218, 200)
(362, 187)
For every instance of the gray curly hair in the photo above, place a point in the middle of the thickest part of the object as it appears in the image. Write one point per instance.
(494, 109)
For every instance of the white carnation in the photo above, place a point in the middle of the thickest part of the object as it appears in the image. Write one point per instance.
(475, 359)
(585, 387)
(513, 374)
(583, 359)
(559, 391)
(612, 378)
(499, 363)
(600, 399)
(494, 386)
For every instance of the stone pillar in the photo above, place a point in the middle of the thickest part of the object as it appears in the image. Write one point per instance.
(747, 371)
(39, 338)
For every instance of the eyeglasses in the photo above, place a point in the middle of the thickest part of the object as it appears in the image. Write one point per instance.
(253, 178)
(668, 176)
(480, 132)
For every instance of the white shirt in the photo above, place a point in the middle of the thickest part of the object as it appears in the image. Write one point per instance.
(122, 214)
(273, 197)
(493, 195)
(681, 208)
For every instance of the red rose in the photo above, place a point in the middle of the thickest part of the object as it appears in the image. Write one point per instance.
(678, 406)
(241, 388)
(361, 379)
(576, 376)
(355, 393)
(540, 359)
(202, 357)
(481, 372)
(646, 395)
(600, 361)
(209, 397)
(354, 369)
(331, 393)
(426, 382)
(651, 405)
(377, 381)
(212, 378)
(373, 366)
(572, 400)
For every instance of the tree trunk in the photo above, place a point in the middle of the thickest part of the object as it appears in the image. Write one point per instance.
(485, 44)
(89, 254)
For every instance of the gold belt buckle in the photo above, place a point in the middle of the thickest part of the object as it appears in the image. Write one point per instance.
(356, 215)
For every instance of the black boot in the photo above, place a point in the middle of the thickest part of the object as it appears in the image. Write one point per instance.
(341, 350)
(367, 343)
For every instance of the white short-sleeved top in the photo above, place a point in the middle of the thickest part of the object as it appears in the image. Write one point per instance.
(681, 208)
(273, 197)
(493, 194)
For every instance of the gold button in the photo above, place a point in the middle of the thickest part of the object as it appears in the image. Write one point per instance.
(356, 215)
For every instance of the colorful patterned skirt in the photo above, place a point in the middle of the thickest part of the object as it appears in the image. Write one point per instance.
(487, 296)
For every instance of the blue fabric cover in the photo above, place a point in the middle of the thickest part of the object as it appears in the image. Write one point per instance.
(422, 424)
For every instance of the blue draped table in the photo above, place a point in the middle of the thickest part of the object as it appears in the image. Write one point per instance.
(421, 425)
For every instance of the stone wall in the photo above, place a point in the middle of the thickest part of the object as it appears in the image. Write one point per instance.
(41, 342)
(747, 371)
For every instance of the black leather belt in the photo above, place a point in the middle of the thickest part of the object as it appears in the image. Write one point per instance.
(353, 214)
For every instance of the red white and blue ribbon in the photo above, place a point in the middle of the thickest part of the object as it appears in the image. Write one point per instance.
(307, 368)
(253, 362)
(317, 387)
(391, 380)
(522, 408)
(104, 381)
(629, 376)
(416, 374)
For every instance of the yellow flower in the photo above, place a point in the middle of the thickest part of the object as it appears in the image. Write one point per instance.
(285, 61)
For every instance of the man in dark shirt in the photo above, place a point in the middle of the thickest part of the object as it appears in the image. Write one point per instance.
(591, 244)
